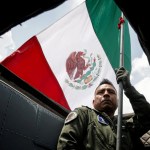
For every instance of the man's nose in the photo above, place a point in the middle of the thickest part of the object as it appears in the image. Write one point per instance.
(106, 92)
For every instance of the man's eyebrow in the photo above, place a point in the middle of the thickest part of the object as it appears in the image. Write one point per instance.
(109, 89)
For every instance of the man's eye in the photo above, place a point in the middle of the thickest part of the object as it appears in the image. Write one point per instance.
(112, 92)
(100, 92)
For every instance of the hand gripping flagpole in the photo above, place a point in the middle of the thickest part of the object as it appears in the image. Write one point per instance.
(120, 102)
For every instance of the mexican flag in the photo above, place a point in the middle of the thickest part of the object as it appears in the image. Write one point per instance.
(67, 61)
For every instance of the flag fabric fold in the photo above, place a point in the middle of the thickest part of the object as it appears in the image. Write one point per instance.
(67, 60)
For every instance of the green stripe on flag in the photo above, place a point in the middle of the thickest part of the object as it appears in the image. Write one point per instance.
(105, 16)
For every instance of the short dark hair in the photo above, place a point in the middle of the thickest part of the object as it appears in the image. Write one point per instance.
(106, 81)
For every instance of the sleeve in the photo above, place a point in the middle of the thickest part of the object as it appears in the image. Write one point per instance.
(73, 131)
(140, 106)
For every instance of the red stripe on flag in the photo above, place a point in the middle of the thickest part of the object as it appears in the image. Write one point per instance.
(29, 64)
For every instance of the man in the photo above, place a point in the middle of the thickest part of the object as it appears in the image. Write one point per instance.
(95, 128)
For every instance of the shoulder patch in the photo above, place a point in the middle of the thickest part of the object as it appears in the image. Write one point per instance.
(71, 116)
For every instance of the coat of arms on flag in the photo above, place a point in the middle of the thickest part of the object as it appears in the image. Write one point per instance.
(82, 69)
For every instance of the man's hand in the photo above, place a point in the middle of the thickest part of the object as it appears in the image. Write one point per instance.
(122, 75)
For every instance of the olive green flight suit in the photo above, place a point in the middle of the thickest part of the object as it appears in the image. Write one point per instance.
(89, 129)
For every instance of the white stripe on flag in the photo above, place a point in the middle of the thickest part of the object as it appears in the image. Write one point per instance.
(76, 35)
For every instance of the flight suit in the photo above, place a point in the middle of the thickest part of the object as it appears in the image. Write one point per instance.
(89, 129)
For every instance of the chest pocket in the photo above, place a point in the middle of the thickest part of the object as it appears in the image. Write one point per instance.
(105, 137)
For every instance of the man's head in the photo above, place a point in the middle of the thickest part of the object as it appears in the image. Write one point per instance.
(105, 98)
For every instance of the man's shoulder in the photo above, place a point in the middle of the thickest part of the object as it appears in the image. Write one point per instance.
(83, 108)
(79, 111)
(127, 116)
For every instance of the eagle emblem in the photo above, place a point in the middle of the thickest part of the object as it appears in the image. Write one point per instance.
(82, 69)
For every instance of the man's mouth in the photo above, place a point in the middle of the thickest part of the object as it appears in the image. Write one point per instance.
(107, 101)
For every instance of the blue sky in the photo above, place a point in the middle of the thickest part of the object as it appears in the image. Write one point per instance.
(18, 35)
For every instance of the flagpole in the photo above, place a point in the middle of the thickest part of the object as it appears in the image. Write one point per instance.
(120, 102)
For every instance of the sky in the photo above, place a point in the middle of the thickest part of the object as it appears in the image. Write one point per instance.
(14, 38)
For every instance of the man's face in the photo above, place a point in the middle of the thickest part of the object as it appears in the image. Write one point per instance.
(105, 98)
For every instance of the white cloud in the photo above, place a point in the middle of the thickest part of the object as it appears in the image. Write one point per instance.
(140, 69)
(140, 63)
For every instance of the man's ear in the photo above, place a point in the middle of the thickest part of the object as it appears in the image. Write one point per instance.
(93, 101)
